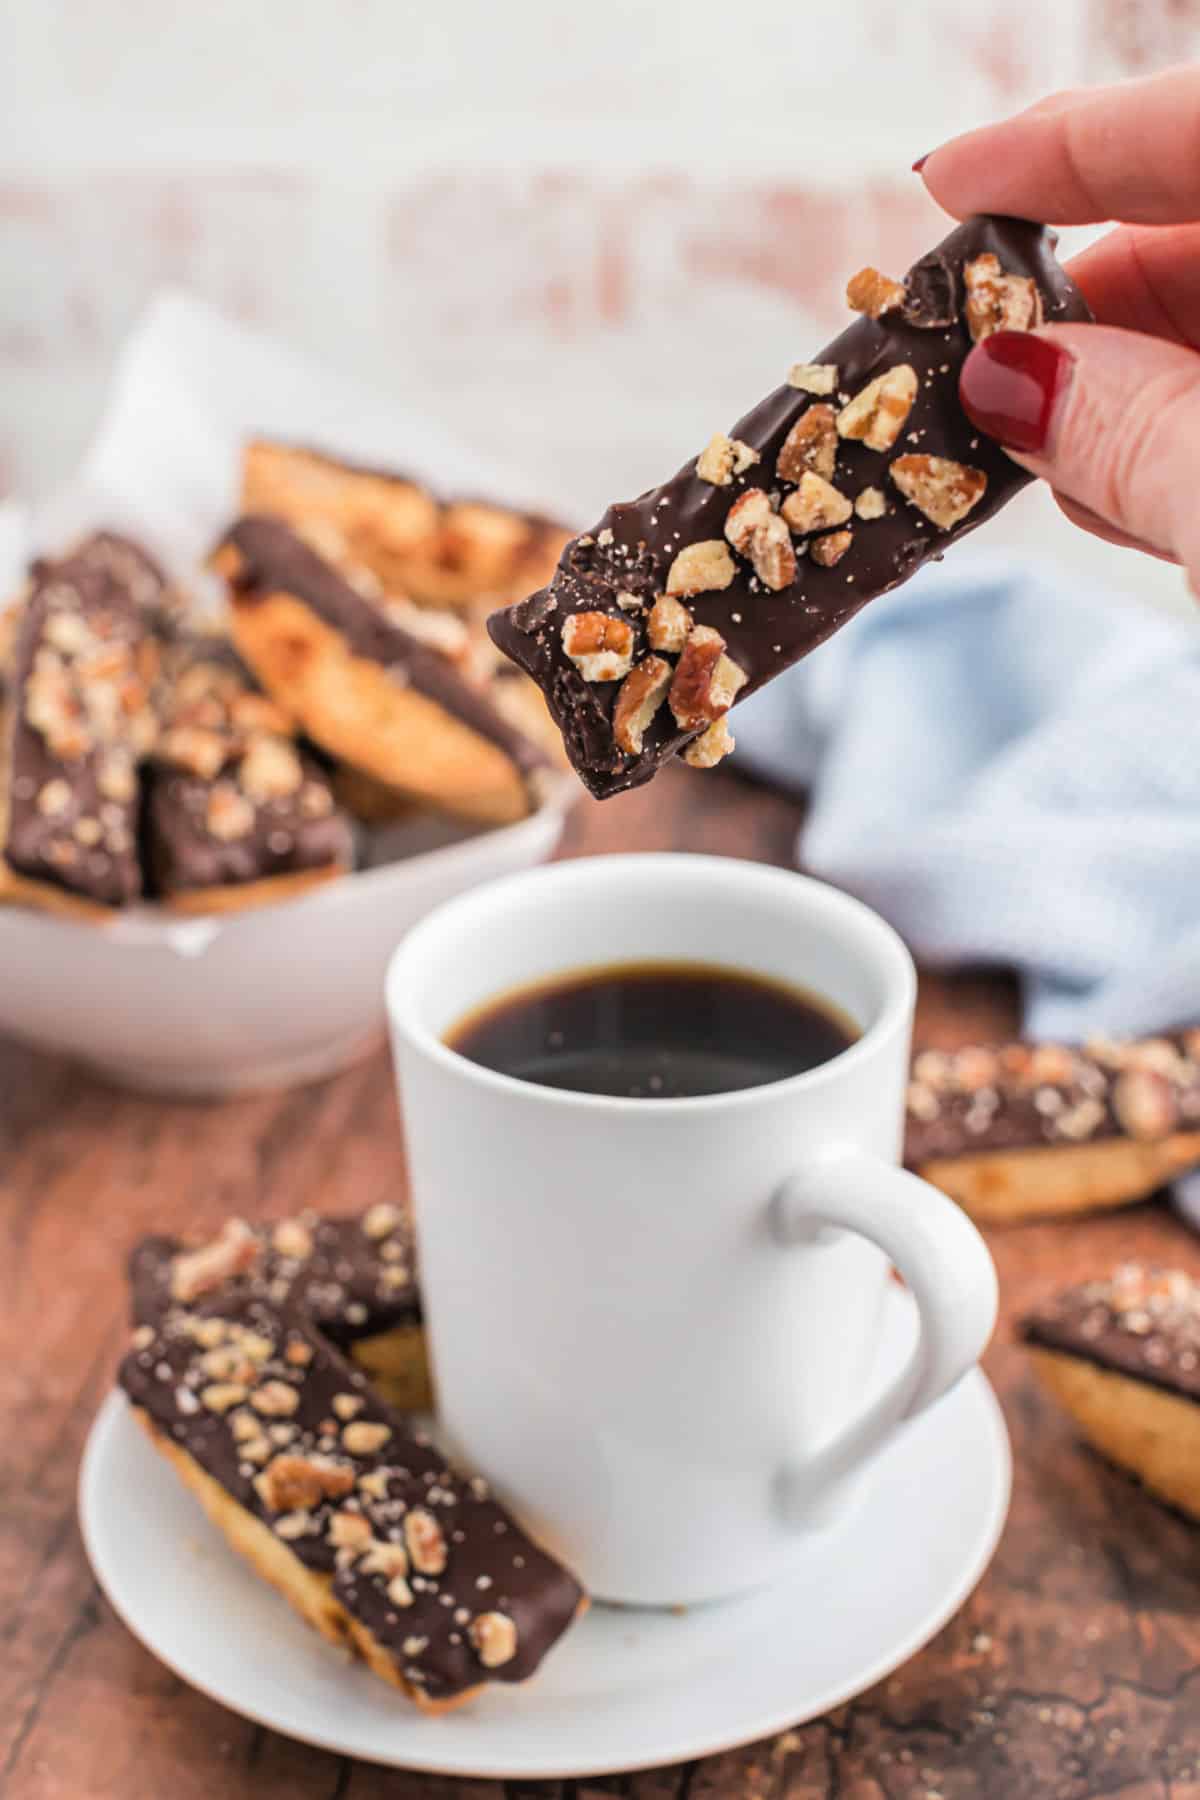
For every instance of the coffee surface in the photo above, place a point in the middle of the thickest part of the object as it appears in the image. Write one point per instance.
(654, 1031)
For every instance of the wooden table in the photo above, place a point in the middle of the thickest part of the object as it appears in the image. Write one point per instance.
(1072, 1672)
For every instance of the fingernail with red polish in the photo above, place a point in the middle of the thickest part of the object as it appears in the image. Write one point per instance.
(921, 161)
(1012, 385)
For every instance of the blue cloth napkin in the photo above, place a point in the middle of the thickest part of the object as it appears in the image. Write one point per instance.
(1008, 769)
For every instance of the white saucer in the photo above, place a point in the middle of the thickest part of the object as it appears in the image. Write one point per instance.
(627, 1689)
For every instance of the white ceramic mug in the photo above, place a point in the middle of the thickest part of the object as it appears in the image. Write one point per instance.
(652, 1321)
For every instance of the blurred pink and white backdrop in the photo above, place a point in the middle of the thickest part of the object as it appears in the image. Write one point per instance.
(586, 235)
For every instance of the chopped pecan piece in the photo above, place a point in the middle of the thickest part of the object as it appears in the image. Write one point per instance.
(772, 554)
(53, 709)
(385, 1558)
(374, 1484)
(816, 505)
(641, 694)
(362, 1438)
(54, 798)
(943, 490)
(1048, 1063)
(66, 631)
(706, 680)
(1159, 1054)
(197, 1272)
(711, 747)
(275, 1399)
(999, 302)
(115, 778)
(1080, 1121)
(874, 294)
(877, 413)
(748, 512)
(812, 443)
(228, 1362)
(829, 550)
(270, 769)
(208, 1333)
(222, 1396)
(722, 458)
(494, 1636)
(228, 814)
(1144, 1104)
(195, 749)
(294, 1525)
(349, 1531)
(381, 1220)
(600, 647)
(292, 1239)
(315, 802)
(754, 528)
(668, 624)
(702, 568)
(426, 1544)
(813, 378)
(297, 1483)
(922, 1102)
(977, 1067)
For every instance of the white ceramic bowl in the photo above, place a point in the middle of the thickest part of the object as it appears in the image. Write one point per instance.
(205, 1007)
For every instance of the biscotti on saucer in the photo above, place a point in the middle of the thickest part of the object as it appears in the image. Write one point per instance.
(351, 1513)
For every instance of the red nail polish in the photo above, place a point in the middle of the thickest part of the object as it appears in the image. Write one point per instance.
(1011, 385)
(921, 161)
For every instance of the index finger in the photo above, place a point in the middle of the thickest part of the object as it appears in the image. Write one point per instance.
(1129, 152)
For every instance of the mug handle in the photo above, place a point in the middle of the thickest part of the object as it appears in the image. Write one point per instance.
(949, 1272)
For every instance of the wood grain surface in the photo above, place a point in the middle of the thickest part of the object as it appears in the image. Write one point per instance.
(1073, 1672)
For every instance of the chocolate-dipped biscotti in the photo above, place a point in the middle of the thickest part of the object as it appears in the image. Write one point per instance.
(455, 553)
(836, 488)
(332, 1498)
(1122, 1355)
(79, 717)
(1019, 1131)
(353, 1278)
(236, 813)
(364, 685)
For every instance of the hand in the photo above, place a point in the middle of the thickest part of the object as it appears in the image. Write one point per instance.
(1108, 413)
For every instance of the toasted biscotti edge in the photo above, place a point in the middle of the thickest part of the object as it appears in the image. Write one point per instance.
(1152, 1434)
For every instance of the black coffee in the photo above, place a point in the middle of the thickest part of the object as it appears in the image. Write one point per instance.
(653, 1031)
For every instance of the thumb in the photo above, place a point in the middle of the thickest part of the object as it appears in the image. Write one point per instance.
(1110, 418)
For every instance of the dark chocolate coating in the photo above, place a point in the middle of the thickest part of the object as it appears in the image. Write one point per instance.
(1143, 1323)
(765, 631)
(288, 833)
(491, 1567)
(117, 559)
(276, 560)
(108, 590)
(349, 1284)
(183, 856)
(490, 1563)
(1017, 1097)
